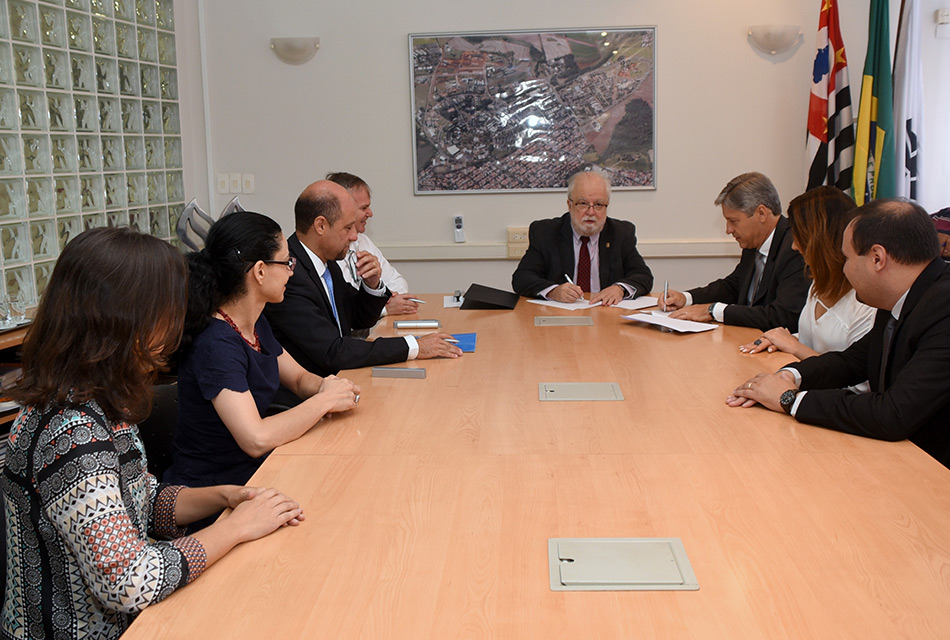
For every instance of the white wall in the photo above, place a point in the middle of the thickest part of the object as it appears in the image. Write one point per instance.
(935, 57)
(722, 108)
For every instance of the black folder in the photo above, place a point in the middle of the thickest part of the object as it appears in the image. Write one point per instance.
(481, 297)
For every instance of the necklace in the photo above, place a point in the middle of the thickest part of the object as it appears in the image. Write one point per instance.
(256, 345)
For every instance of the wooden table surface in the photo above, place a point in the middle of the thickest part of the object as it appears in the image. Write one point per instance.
(429, 507)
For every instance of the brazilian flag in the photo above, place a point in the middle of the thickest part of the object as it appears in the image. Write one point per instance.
(874, 163)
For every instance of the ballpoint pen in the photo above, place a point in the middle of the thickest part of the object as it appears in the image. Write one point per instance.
(569, 281)
(666, 292)
(417, 300)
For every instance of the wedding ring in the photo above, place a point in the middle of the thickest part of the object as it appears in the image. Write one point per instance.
(757, 342)
(356, 399)
(748, 386)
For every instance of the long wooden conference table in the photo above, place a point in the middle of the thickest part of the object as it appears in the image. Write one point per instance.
(430, 506)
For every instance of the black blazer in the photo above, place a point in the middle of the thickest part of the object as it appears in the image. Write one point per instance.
(303, 322)
(779, 302)
(550, 256)
(916, 395)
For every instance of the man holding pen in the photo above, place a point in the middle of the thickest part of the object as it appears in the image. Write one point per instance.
(583, 251)
(768, 287)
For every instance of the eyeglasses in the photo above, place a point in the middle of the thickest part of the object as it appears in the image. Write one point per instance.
(290, 262)
(350, 261)
(584, 205)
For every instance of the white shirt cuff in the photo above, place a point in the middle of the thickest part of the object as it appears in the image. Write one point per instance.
(380, 290)
(794, 372)
(719, 310)
(413, 347)
(689, 298)
(544, 292)
(798, 401)
(630, 292)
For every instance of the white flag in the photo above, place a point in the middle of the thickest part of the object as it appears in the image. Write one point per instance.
(908, 102)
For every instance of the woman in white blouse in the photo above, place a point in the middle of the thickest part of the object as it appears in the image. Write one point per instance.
(832, 318)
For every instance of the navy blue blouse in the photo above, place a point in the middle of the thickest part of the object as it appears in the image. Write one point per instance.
(205, 451)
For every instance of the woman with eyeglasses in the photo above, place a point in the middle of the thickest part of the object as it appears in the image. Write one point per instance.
(231, 365)
(92, 538)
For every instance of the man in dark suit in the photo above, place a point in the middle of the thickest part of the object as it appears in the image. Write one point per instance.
(320, 310)
(583, 251)
(768, 287)
(893, 262)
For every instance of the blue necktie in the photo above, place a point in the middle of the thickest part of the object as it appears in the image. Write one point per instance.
(328, 278)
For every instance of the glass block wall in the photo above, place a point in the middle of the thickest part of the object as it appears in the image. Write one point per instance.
(89, 127)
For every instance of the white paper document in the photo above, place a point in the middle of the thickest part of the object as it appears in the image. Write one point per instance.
(567, 306)
(639, 303)
(680, 326)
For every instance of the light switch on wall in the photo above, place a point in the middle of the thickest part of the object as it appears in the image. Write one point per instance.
(234, 182)
(221, 183)
(247, 183)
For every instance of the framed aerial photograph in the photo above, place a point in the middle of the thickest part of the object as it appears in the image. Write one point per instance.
(523, 110)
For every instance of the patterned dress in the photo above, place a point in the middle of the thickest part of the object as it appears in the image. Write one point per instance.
(78, 503)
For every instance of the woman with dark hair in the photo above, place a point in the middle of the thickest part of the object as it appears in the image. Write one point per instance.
(82, 511)
(231, 365)
(832, 317)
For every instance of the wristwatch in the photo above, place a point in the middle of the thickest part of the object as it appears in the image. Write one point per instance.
(788, 399)
(709, 310)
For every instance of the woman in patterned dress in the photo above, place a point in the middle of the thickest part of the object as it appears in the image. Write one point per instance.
(91, 537)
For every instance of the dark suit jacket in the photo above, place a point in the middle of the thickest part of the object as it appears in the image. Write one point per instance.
(550, 256)
(782, 292)
(916, 396)
(303, 323)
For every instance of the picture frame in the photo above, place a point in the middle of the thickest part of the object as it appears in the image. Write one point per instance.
(509, 111)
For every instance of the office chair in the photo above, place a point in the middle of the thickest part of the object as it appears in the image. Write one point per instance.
(197, 221)
(232, 207)
(157, 431)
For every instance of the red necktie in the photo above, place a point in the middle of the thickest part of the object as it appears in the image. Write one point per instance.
(583, 266)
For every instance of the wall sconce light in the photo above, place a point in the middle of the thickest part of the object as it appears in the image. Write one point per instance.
(775, 38)
(294, 50)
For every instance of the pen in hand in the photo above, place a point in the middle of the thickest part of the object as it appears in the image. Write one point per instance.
(569, 281)
(666, 293)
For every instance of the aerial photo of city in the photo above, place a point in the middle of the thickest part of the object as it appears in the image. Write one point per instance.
(525, 110)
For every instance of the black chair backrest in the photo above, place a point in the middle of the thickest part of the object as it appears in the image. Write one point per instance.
(158, 430)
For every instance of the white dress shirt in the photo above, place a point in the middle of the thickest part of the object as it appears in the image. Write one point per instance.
(393, 280)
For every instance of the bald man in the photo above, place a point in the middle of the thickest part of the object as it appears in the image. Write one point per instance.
(320, 309)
